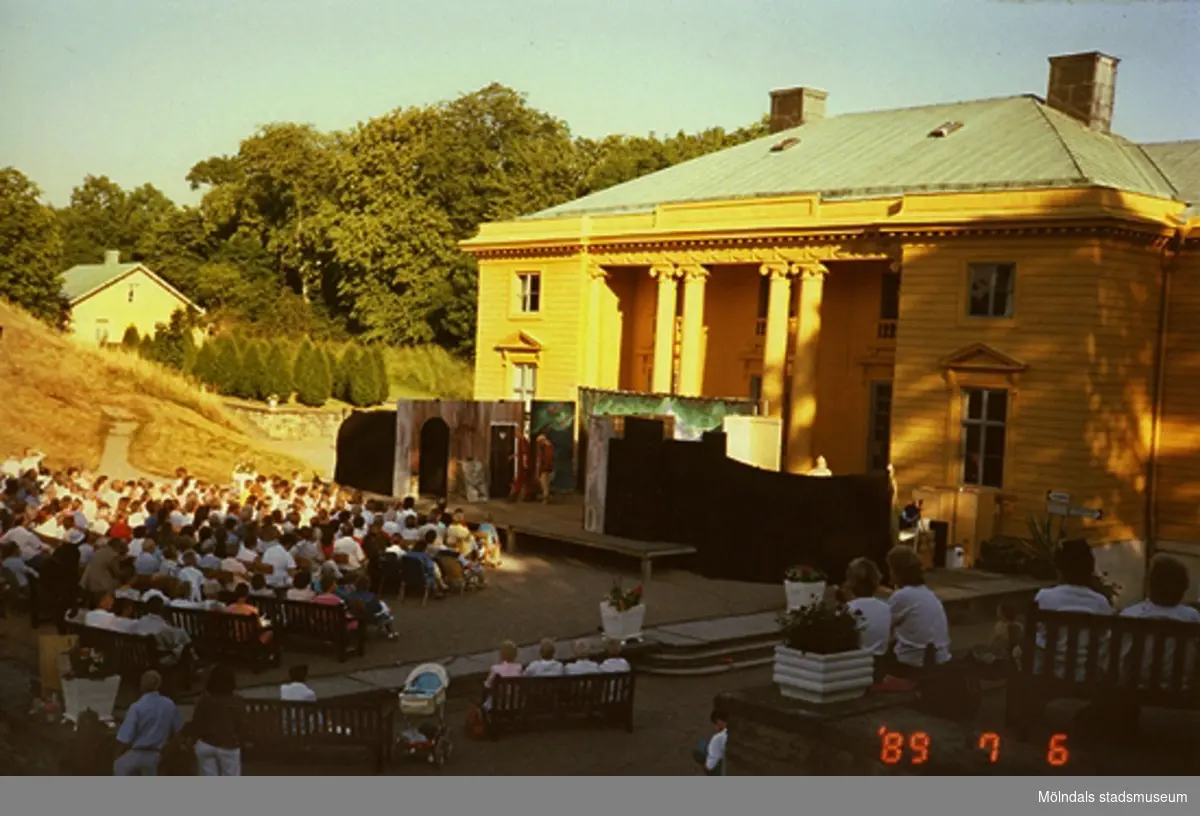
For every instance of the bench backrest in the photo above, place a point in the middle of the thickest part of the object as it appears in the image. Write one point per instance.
(366, 721)
(128, 652)
(308, 617)
(568, 693)
(1155, 658)
(214, 625)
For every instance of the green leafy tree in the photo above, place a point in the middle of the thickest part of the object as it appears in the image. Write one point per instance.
(382, 378)
(252, 382)
(205, 367)
(228, 380)
(311, 376)
(131, 339)
(102, 216)
(364, 380)
(30, 248)
(278, 372)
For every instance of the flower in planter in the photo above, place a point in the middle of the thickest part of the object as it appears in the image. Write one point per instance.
(803, 574)
(88, 664)
(623, 601)
(820, 629)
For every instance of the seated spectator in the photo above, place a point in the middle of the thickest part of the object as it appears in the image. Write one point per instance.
(149, 560)
(128, 589)
(297, 688)
(433, 579)
(489, 541)
(874, 616)
(259, 588)
(1076, 565)
(377, 611)
(583, 663)
(614, 663)
(139, 539)
(208, 559)
(16, 564)
(1168, 581)
(714, 753)
(278, 556)
(212, 595)
(410, 532)
(173, 643)
(918, 617)
(182, 598)
(348, 551)
(546, 665)
(1006, 636)
(241, 606)
(102, 616)
(191, 575)
(330, 597)
(170, 562)
(301, 589)
(507, 667)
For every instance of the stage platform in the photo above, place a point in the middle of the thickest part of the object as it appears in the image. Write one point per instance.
(562, 521)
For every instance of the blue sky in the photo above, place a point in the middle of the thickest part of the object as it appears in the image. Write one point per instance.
(140, 90)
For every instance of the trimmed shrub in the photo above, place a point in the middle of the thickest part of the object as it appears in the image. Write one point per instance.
(204, 368)
(277, 381)
(251, 382)
(131, 340)
(364, 381)
(229, 366)
(340, 367)
(310, 375)
(381, 375)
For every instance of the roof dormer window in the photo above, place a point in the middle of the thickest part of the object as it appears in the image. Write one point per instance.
(784, 144)
(945, 129)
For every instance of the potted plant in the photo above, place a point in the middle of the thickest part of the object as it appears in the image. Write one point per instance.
(820, 660)
(803, 586)
(623, 613)
(89, 682)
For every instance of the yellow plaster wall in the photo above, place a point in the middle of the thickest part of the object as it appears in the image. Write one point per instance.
(1084, 323)
(730, 312)
(558, 327)
(152, 304)
(638, 298)
(1178, 499)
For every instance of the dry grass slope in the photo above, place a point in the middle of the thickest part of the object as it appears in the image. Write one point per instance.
(53, 391)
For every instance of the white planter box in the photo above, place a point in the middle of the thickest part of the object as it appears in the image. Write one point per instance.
(622, 626)
(803, 593)
(98, 695)
(823, 678)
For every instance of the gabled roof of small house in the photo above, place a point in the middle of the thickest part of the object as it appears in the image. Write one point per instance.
(1008, 143)
(84, 280)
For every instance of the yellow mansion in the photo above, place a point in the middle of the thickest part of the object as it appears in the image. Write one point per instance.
(1000, 298)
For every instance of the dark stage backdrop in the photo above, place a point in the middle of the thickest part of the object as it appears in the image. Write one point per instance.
(366, 445)
(557, 421)
(748, 524)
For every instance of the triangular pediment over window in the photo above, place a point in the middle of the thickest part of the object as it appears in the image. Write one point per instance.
(519, 341)
(982, 357)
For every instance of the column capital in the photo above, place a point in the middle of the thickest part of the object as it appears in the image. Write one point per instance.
(693, 272)
(596, 272)
(811, 270)
(775, 269)
(664, 272)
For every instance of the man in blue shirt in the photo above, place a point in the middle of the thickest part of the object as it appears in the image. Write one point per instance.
(148, 726)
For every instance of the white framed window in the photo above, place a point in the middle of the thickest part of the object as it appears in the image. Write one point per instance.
(991, 289)
(102, 331)
(984, 436)
(524, 382)
(529, 292)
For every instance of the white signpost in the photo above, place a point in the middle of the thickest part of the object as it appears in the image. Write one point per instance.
(1059, 504)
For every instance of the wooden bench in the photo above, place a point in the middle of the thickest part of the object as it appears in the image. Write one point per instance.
(323, 622)
(132, 655)
(1105, 659)
(519, 701)
(367, 722)
(220, 636)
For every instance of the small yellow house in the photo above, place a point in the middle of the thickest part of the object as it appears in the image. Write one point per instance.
(978, 293)
(106, 299)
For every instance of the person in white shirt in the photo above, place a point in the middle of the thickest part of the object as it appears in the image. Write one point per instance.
(247, 555)
(191, 575)
(30, 546)
(614, 663)
(1167, 584)
(874, 616)
(918, 617)
(347, 546)
(712, 755)
(1076, 565)
(410, 532)
(546, 665)
(14, 563)
(102, 617)
(279, 558)
(301, 589)
(297, 689)
(582, 664)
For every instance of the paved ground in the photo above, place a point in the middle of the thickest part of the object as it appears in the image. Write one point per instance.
(671, 715)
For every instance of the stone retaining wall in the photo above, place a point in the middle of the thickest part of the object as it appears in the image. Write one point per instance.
(290, 424)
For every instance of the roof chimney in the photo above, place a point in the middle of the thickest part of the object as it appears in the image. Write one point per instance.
(792, 107)
(112, 257)
(1083, 86)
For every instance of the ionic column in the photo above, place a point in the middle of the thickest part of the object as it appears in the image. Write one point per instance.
(775, 342)
(594, 338)
(804, 368)
(664, 327)
(691, 352)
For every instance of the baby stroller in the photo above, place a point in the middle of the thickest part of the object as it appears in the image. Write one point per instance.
(423, 714)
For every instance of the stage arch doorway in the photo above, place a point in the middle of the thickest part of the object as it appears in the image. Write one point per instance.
(433, 475)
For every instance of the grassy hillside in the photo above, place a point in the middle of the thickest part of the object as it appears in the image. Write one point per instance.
(53, 391)
(429, 372)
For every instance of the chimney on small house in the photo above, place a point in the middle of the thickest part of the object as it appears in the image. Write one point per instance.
(1084, 86)
(112, 257)
(792, 107)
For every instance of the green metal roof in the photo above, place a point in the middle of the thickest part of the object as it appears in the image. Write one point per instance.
(1013, 142)
(1180, 161)
(84, 278)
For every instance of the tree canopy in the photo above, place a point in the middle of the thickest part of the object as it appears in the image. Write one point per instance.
(335, 235)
